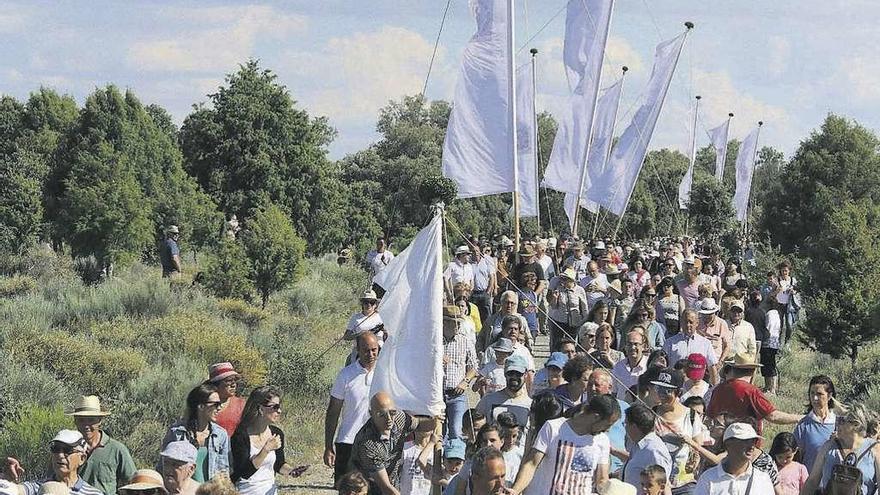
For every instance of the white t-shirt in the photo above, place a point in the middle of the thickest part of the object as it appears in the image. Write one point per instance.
(494, 374)
(412, 477)
(627, 376)
(358, 323)
(716, 481)
(570, 460)
(690, 424)
(512, 460)
(774, 327)
(352, 387)
(458, 273)
(785, 286)
(378, 262)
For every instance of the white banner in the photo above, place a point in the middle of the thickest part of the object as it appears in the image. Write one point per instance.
(478, 150)
(587, 25)
(603, 137)
(527, 167)
(684, 187)
(745, 167)
(719, 138)
(410, 365)
(613, 188)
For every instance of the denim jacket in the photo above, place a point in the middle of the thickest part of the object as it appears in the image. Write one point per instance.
(218, 446)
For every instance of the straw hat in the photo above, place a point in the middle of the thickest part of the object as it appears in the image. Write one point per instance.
(615, 286)
(145, 479)
(569, 273)
(743, 360)
(88, 405)
(218, 372)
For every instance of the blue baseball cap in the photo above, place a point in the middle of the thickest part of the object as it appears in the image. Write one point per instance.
(454, 448)
(557, 359)
(516, 363)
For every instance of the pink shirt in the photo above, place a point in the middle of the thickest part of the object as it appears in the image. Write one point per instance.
(792, 478)
(717, 333)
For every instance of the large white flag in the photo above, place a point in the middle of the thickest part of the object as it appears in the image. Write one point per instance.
(410, 365)
(526, 143)
(745, 167)
(478, 150)
(684, 187)
(603, 137)
(613, 188)
(586, 33)
(719, 138)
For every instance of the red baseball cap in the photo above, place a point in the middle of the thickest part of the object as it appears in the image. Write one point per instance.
(696, 368)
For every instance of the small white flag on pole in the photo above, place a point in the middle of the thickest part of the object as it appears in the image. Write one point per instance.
(719, 137)
(410, 365)
(587, 25)
(614, 187)
(745, 168)
(478, 150)
(684, 188)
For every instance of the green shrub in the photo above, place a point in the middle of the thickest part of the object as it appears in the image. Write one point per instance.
(241, 311)
(297, 370)
(27, 435)
(38, 262)
(27, 384)
(16, 285)
(74, 359)
(148, 297)
(227, 271)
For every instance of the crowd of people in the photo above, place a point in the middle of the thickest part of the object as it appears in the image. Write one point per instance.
(223, 445)
(660, 381)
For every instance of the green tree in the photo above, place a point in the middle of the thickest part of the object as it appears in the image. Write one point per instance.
(842, 280)
(274, 249)
(227, 272)
(835, 165)
(20, 205)
(710, 209)
(252, 145)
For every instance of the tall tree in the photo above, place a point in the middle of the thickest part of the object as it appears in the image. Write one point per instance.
(710, 210)
(274, 249)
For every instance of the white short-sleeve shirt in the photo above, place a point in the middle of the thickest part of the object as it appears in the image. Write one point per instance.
(570, 460)
(352, 387)
(716, 481)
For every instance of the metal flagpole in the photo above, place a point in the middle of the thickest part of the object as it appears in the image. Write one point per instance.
(592, 125)
(511, 105)
(687, 217)
(534, 52)
(689, 25)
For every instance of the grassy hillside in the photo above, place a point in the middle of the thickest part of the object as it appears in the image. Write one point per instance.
(141, 343)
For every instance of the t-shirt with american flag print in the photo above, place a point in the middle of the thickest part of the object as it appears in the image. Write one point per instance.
(570, 460)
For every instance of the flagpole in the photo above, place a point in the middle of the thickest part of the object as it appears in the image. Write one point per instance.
(687, 217)
(534, 52)
(752, 181)
(511, 98)
(610, 148)
(592, 125)
(689, 25)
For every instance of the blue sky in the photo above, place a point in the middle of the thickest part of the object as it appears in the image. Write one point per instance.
(786, 62)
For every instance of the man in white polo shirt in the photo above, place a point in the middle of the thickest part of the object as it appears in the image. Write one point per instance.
(736, 474)
(350, 398)
(460, 270)
(688, 341)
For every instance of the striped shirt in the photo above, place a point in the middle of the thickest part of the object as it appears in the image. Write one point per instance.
(459, 356)
(78, 488)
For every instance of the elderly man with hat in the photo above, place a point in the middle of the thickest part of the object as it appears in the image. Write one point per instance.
(742, 338)
(578, 260)
(529, 264)
(459, 270)
(144, 482)
(714, 328)
(459, 368)
(736, 474)
(737, 397)
(109, 463)
(178, 460)
(225, 378)
(169, 254)
(568, 306)
(68, 453)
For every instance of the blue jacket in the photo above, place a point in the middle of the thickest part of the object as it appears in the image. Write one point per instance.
(218, 446)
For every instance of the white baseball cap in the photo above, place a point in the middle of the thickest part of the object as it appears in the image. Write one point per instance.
(741, 431)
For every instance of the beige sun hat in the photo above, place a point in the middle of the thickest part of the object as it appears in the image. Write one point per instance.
(54, 488)
(145, 479)
(88, 405)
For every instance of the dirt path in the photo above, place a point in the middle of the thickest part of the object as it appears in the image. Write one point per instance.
(318, 480)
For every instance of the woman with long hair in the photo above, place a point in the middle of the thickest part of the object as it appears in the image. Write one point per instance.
(819, 423)
(669, 306)
(258, 445)
(198, 427)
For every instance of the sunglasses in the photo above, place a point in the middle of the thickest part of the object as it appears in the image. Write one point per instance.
(275, 407)
(60, 448)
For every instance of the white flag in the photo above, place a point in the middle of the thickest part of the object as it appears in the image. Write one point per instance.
(527, 167)
(603, 137)
(684, 187)
(587, 25)
(719, 137)
(410, 365)
(478, 150)
(613, 188)
(745, 167)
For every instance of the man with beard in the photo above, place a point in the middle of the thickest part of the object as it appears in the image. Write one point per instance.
(570, 455)
(350, 399)
(735, 473)
(513, 398)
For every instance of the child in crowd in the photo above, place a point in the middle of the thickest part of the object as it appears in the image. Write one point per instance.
(471, 423)
(491, 375)
(792, 474)
(512, 448)
(453, 460)
(695, 404)
(653, 480)
(353, 483)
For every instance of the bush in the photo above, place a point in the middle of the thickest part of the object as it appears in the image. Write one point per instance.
(38, 262)
(275, 250)
(27, 435)
(293, 368)
(227, 271)
(16, 286)
(26, 385)
(73, 359)
(241, 311)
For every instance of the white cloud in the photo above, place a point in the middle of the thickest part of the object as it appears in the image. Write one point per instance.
(720, 97)
(861, 72)
(13, 19)
(220, 38)
(779, 54)
(362, 72)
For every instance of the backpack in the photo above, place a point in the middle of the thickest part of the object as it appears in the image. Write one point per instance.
(846, 477)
